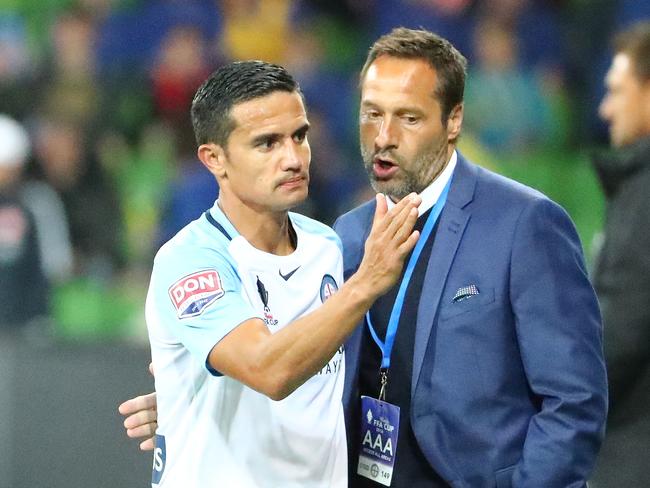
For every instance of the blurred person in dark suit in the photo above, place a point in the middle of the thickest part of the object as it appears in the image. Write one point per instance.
(622, 270)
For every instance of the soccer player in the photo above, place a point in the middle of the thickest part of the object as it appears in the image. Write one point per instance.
(247, 309)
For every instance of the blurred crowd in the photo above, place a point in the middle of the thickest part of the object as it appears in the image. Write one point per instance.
(97, 155)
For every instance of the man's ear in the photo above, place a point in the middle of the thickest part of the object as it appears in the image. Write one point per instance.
(213, 157)
(455, 122)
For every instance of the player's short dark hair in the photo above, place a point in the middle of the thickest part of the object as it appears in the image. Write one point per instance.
(635, 42)
(449, 63)
(229, 85)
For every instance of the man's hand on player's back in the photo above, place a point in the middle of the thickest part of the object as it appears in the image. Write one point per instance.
(141, 419)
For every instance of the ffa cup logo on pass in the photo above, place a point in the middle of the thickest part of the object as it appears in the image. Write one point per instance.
(327, 287)
(192, 294)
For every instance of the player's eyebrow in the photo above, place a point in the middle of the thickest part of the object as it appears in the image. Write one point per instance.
(276, 136)
(302, 130)
(267, 137)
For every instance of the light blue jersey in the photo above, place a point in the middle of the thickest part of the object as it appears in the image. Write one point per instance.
(212, 429)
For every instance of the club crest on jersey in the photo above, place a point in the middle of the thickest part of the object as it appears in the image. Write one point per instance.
(327, 287)
(194, 293)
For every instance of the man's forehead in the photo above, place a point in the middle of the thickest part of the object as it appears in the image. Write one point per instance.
(401, 74)
(399, 78)
(622, 61)
(279, 107)
(269, 104)
(621, 66)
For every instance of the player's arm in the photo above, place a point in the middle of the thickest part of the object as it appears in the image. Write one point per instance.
(276, 364)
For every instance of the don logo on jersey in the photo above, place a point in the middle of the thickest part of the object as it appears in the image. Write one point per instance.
(193, 293)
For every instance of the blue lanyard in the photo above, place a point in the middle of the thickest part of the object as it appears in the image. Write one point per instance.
(393, 322)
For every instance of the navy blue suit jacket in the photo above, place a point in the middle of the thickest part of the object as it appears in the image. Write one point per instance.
(509, 386)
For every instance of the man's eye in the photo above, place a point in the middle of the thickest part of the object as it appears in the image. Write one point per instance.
(300, 137)
(410, 119)
(266, 144)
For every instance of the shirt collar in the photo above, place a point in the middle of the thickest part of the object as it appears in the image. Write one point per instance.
(432, 192)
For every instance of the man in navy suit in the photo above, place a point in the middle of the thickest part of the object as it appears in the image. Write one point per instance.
(496, 362)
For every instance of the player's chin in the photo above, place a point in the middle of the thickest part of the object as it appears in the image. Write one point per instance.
(294, 196)
(386, 186)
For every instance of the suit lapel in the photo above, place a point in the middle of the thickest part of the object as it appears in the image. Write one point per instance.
(452, 224)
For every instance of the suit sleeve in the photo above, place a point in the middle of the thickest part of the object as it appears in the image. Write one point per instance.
(559, 333)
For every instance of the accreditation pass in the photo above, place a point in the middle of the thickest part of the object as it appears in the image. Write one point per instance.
(379, 429)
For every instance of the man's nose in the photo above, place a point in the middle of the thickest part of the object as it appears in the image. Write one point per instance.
(293, 156)
(387, 136)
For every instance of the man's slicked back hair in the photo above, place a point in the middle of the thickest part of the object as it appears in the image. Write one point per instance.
(229, 85)
(635, 42)
(449, 63)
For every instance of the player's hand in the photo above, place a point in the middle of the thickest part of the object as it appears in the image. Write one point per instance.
(141, 420)
(391, 239)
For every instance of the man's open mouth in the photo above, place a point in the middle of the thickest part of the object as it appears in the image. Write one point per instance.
(383, 168)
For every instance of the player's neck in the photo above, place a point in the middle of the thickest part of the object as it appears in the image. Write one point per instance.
(265, 230)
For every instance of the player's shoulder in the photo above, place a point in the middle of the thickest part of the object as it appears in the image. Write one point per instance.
(315, 228)
(197, 244)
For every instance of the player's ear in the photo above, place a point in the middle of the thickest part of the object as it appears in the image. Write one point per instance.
(213, 157)
(455, 122)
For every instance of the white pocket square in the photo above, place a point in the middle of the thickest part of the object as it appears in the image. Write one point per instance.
(465, 292)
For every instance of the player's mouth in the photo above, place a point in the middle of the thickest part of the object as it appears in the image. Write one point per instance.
(384, 168)
(292, 183)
